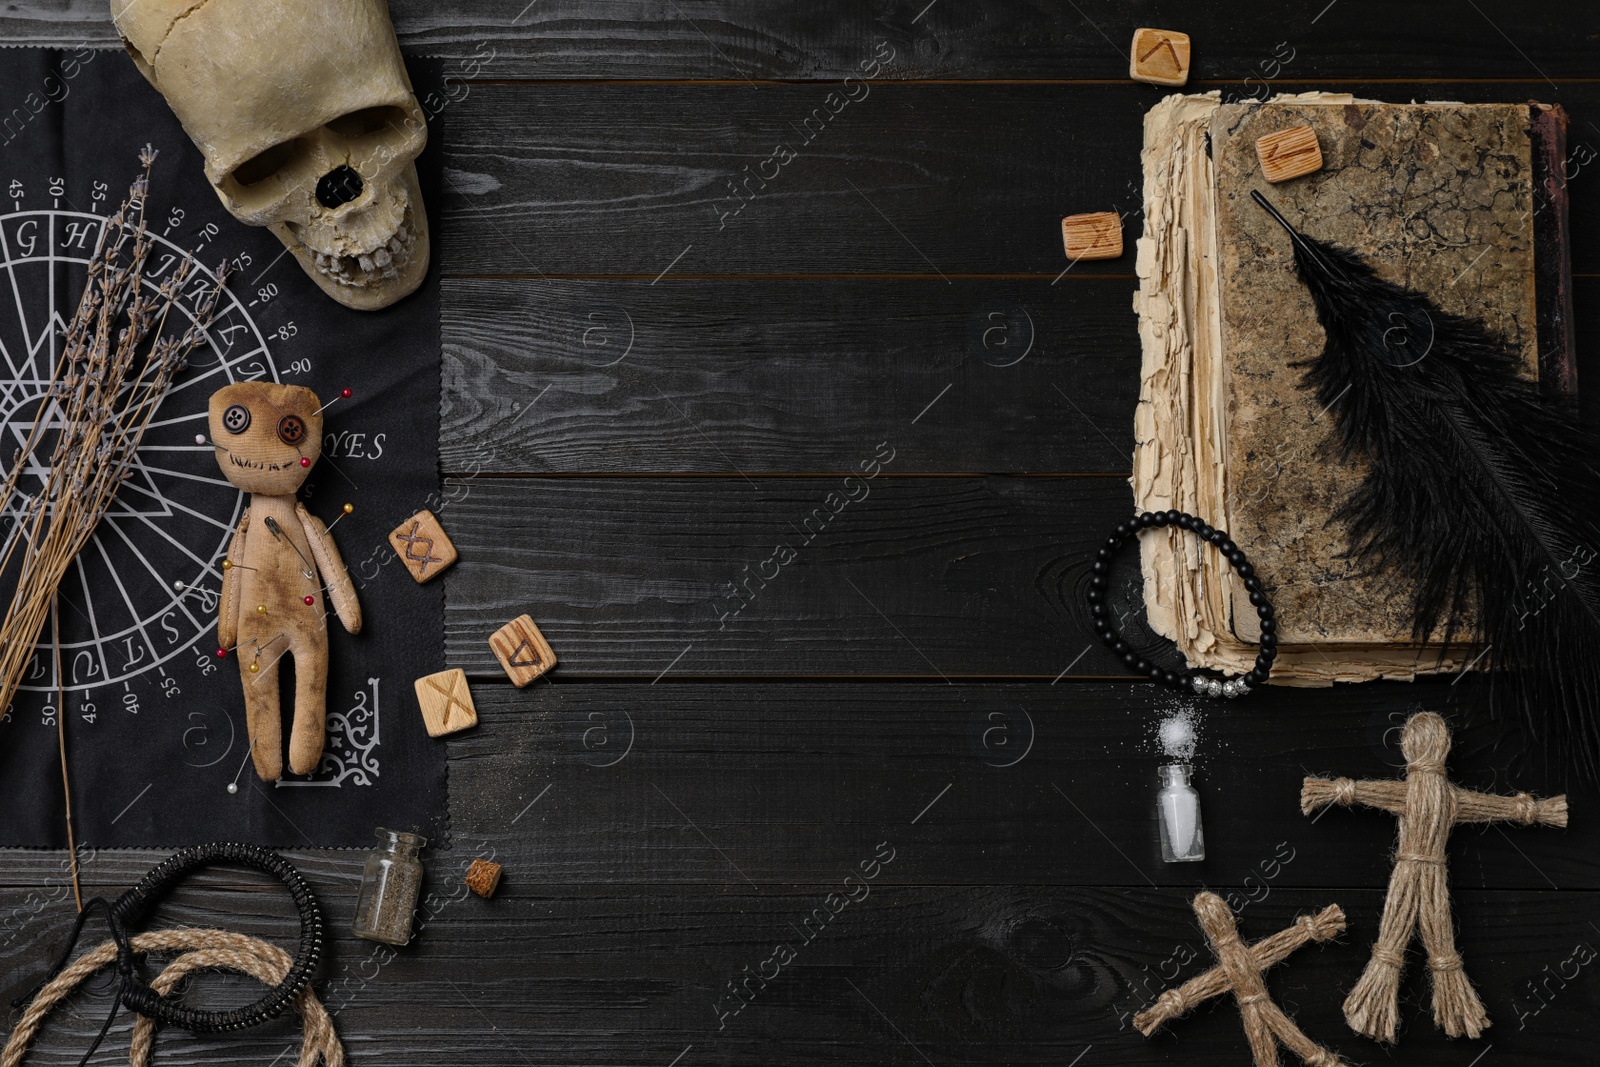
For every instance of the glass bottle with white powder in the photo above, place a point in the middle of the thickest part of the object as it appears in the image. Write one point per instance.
(1178, 811)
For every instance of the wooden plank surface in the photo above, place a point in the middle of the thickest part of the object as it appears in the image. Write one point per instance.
(789, 376)
(650, 181)
(920, 577)
(770, 784)
(560, 973)
(648, 387)
(726, 39)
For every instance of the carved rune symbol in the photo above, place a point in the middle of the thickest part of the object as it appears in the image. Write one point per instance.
(1172, 53)
(516, 660)
(449, 694)
(412, 542)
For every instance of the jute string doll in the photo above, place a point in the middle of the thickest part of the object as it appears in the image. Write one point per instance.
(1427, 805)
(1239, 970)
(267, 437)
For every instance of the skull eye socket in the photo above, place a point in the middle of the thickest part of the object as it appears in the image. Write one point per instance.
(236, 419)
(291, 428)
(264, 165)
(369, 120)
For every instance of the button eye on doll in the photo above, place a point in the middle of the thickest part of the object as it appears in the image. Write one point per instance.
(266, 438)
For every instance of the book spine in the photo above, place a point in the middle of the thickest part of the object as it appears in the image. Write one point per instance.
(1552, 253)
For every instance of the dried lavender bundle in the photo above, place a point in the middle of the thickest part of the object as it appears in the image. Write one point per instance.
(116, 365)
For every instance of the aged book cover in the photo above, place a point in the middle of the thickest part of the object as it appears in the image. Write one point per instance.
(1451, 199)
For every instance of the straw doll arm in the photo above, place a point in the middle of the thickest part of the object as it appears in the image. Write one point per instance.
(341, 590)
(1181, 1000)
(228, 601)
(1521, 808)
(1320, 792)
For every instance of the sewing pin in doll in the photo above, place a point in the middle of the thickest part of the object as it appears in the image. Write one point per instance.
(344, 394)
(233, 786)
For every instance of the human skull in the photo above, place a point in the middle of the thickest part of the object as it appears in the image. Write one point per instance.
(308, 125)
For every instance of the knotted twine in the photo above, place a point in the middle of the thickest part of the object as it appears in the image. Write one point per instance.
(210, 949)
(1428, 805)
(1240, 967)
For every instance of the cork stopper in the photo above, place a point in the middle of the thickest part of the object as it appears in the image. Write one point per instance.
(483, 877)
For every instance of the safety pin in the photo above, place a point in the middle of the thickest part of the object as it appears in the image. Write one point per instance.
(277, 532)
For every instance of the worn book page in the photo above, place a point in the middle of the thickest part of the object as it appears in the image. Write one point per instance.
(1175, 264)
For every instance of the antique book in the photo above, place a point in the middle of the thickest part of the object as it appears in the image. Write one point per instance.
(1464, 202)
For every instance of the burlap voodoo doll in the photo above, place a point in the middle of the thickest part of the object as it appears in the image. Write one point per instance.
(266, 438)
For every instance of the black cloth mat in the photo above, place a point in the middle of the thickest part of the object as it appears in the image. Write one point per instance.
(154, 720)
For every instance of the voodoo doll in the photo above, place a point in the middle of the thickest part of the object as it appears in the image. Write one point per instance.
(266, 438)
(1429, 805)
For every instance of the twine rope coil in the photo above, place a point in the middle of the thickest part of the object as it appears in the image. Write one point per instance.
(132, 908)
(203, 949)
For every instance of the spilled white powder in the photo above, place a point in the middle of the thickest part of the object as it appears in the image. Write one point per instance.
(1178, 732)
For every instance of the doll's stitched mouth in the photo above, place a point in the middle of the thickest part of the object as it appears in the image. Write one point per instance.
(257, 465)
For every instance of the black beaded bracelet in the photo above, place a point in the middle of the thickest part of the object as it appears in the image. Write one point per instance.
(1184, 679)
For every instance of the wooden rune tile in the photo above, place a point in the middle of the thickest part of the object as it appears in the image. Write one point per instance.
(446, 702)
(522, 650)
(1160, 57)
(1095, 235)
(423, 546)
(1289, 153)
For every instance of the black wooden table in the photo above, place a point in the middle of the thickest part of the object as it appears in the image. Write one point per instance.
(667, 350)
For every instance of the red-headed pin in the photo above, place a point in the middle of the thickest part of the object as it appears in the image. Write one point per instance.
(344, 394)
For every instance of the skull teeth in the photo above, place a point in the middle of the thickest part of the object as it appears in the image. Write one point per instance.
(385, 262)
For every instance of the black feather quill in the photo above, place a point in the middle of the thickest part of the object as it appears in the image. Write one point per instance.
(1479, 490)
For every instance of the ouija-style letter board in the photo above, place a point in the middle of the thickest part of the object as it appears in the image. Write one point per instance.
(154, 720)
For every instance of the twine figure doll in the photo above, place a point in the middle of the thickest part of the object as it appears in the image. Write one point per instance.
(1239, 970)
(266, 438)
(1428, 805)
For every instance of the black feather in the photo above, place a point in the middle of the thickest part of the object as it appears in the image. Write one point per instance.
(1480, 491)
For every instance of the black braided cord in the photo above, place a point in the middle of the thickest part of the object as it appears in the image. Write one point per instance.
(132, 908)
